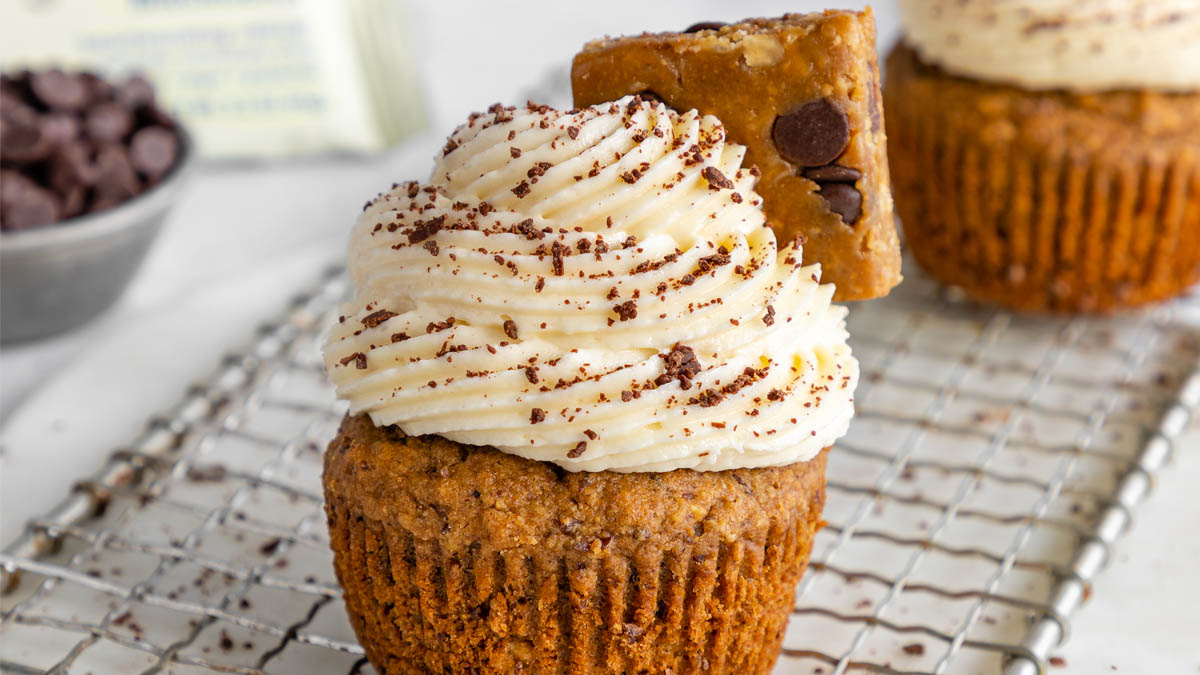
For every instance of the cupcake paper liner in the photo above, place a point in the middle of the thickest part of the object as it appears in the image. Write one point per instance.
(435, 588)
(1045, 200)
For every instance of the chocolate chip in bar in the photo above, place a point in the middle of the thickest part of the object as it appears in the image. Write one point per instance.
(842, 199)
(651, 96)
(814, 134)
(704, 25)
(832, 173)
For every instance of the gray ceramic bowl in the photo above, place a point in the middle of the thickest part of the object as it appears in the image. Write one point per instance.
(59, 277)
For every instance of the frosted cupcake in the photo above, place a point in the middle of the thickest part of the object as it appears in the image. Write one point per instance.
(1046, 155)
(589, 397)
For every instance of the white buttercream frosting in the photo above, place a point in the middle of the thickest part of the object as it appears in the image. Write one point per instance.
(1079, 45)
(594, 288)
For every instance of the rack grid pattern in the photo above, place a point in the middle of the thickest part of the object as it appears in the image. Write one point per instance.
(995, 461)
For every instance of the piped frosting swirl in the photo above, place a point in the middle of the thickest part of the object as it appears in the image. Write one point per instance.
(596, 288)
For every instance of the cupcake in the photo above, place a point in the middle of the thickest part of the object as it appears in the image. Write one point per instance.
(1046, 155)
(589, 398)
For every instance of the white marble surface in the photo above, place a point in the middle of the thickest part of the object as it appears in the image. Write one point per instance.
(246, 237)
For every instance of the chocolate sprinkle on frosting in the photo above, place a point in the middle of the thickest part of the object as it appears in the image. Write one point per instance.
(716, 179)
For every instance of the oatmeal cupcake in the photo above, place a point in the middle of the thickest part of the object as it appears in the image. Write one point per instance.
(589, 396)
(1046, 155)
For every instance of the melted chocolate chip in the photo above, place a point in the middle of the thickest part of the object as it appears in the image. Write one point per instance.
(704, 25)
(832, 173)
(842, 199)
(814, 134)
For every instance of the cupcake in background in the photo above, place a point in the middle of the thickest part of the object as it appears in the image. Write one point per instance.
(1045, 155)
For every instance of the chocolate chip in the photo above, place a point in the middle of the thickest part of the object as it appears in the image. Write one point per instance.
(704, 25)
(30, 207)
(98, 89)
(21, 135)
(59, 90)
(135, 92)
(115, 175)
(71, 167)
(813, 135)
(60, 128)
(842, 199)
(108, 122)
(832, 173)
(153, 151)
(651, 96)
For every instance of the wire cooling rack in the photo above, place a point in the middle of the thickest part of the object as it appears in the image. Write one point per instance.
(994, 461)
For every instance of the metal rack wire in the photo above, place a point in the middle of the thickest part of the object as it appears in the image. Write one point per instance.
(994, 462)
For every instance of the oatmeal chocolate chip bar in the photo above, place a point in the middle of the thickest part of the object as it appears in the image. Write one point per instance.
(801, 92)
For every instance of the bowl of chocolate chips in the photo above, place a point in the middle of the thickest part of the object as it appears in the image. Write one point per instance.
(89, 168)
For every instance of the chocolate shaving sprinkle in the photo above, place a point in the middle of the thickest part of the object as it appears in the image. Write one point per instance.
(521, 190)
(626, 396)
(769, 317)
(515, 152)
(510, 329)
(424, 229)
(681, 365)
(536, 415)
(577, 450)
(526, 228)
(375, 318)
(399, 337)
(573, 132)
(556, 253)
(531, 374)
(590, 434)
(914, 649)
(432, 247)
(716, 179)
(708, 399)
(626, 310)
(451, 146)
(359, 359)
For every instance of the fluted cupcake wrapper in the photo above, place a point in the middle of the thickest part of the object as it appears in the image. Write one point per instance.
(712, 599)
(1060, 225)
